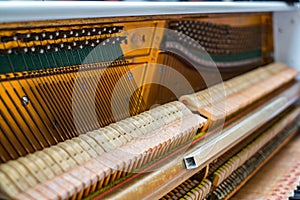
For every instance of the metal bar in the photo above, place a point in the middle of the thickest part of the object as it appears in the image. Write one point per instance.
(37, 10)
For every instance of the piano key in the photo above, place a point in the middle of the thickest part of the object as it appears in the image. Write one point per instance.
(86, 177)
(20, 174)
(8, 186)
(73, 184)
(61, 158)
(102, 140)
(61, 188)
(73, 152)
(85, 147)
(121, 130)
(43, 166)
(103, 172)
(33, 169)
(46, 192)
(79, 150)
(33, 194)
(51, 163)
(68, 162)
(96, 147)
(239, 97)
(130, 128)
(24, 196)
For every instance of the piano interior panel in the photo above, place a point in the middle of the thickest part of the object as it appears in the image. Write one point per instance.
(60, 108)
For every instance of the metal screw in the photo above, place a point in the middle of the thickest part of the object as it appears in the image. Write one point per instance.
(127, 100)
(83, 87)
(25, 100)
(130, 76)
(55, 123)
(160, 70)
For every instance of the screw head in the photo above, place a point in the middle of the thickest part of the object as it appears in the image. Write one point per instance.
(25, 100)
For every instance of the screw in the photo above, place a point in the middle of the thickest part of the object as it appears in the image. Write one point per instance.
(130, 76)
(83, 87)
(160, 70)
(127, 100)
(55, 123)
(25, 100)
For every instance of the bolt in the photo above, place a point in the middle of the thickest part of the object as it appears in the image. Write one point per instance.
(130, 76)
(160, 70)
(55, 123)
(25, 100)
